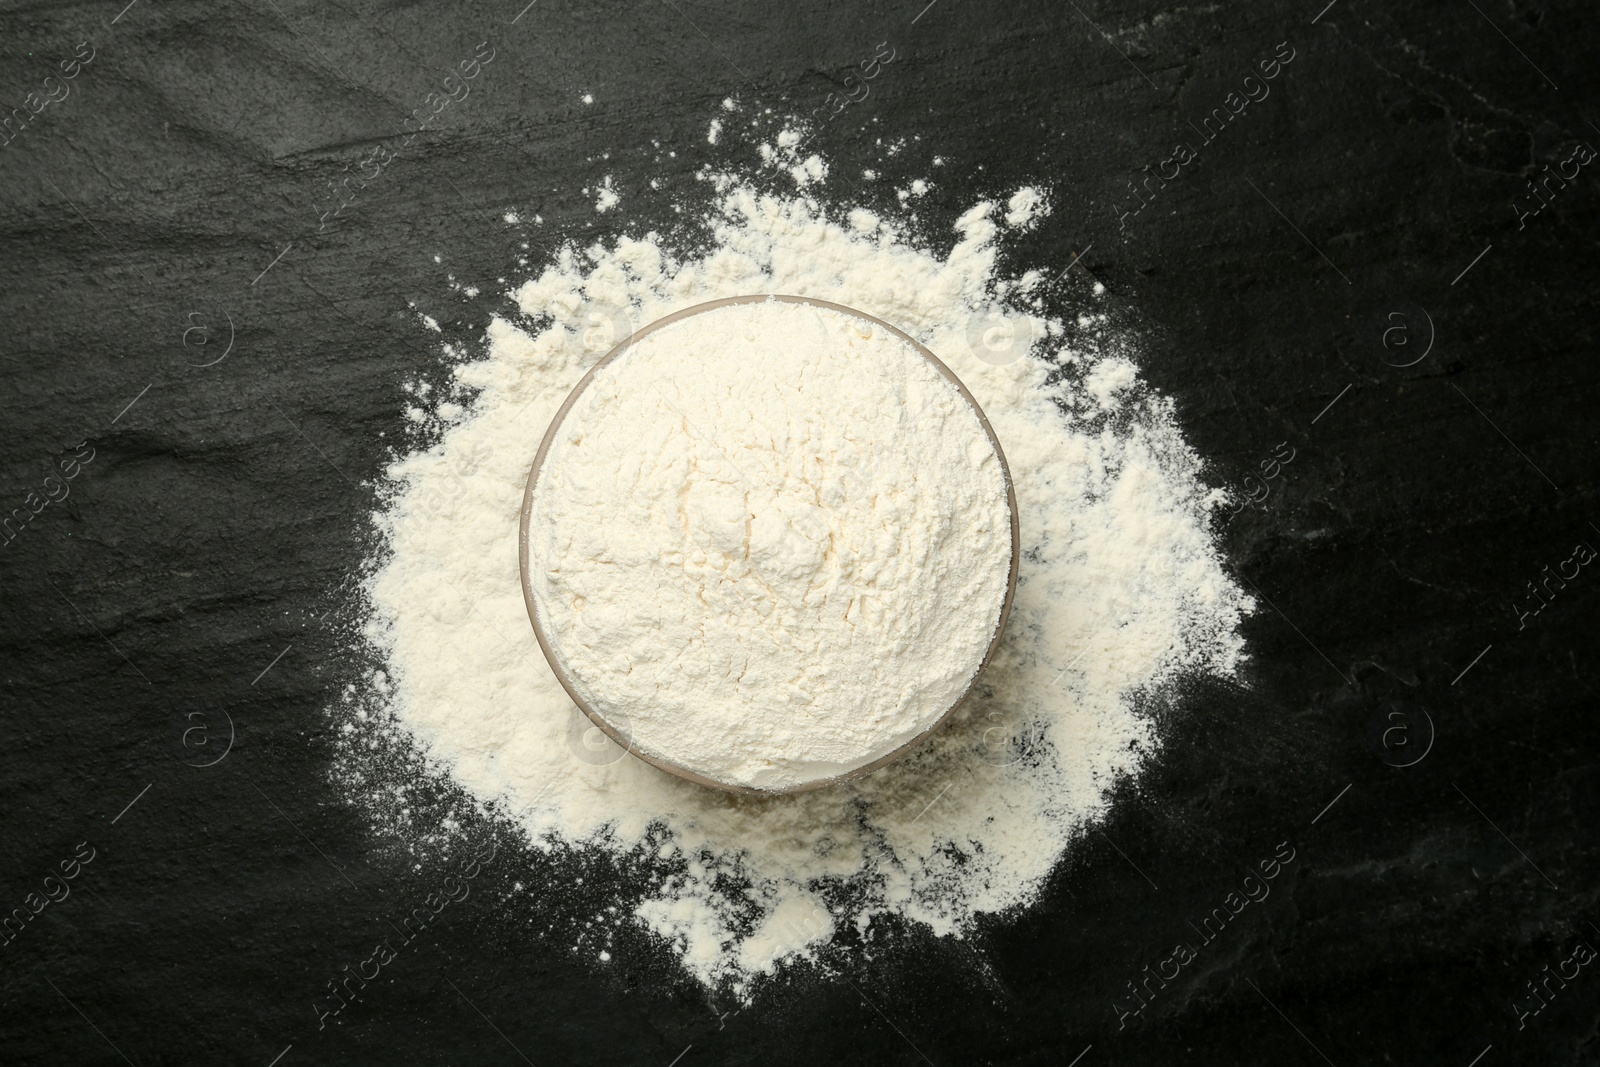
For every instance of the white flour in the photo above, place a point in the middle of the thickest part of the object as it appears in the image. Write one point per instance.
(770, 543)
(1026, 206)
(1121, 595)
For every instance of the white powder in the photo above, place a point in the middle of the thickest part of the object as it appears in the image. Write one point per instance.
(605, 196)
(1121, 596)
(1026, 206)
(784, 153)
(810, 170)
(1107, 379)
(770, 543)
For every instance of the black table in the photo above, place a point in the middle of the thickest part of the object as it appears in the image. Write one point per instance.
(1356, 267)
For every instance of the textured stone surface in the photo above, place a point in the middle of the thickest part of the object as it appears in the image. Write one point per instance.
(177, 187)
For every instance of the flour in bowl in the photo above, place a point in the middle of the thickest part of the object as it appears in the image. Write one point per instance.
(770, 543)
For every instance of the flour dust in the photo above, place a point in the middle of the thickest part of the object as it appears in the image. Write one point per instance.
(1122, 594)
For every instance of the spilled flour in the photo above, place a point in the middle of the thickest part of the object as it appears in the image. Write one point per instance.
(1121, 594)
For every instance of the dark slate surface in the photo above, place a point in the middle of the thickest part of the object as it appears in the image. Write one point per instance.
(176, 188)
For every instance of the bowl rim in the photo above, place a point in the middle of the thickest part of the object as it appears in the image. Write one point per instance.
(559, 670)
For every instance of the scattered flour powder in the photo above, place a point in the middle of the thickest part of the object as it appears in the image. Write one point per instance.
(1121, 595)
(770, 543)
(1026, 207)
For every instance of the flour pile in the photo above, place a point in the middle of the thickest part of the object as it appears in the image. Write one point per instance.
(1121, 594)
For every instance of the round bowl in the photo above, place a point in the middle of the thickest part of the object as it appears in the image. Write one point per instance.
(597, 715)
